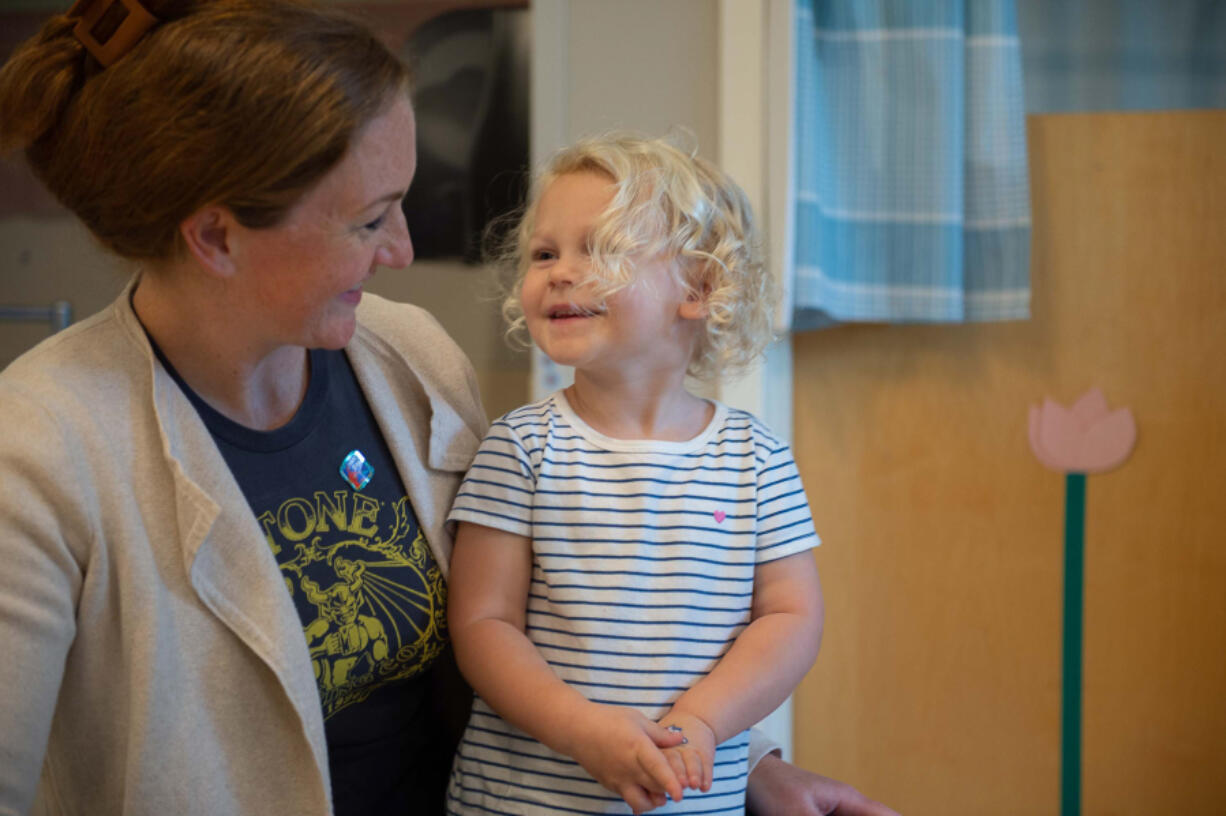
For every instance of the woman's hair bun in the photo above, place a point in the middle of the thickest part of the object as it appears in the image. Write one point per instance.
(38, 82)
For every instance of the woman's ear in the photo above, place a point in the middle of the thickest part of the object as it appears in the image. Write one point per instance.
(208, 235)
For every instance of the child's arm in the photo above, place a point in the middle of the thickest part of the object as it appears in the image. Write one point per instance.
(765, 663)
(491, 572)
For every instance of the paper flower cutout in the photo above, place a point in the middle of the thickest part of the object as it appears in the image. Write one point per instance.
(1087, 438)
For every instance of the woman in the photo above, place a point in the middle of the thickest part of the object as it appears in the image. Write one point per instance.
(223, 503)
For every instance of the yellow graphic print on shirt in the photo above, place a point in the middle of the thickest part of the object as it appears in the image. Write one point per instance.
(370, 595)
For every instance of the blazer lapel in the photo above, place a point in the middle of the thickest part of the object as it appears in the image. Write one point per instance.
(229, 563)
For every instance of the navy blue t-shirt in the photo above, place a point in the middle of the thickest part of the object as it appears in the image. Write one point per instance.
(371, 598)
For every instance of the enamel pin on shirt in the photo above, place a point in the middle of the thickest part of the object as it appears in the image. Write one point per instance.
(356, 470)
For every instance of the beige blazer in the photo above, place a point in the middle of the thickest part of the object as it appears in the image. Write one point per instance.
(151, 661)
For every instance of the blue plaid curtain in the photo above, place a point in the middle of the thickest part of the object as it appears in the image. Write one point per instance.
(1115, 55)
(912, 201)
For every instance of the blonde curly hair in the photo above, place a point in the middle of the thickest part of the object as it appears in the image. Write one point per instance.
(669, 202)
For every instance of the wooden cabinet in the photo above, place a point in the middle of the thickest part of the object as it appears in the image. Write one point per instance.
(938, 686)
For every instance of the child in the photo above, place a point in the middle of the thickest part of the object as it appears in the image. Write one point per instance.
(631, 586)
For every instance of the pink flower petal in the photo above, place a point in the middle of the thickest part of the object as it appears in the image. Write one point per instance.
(1060, 434)
(1109, 442)
(1036, 441)
(1090, 407)
(1087, 438)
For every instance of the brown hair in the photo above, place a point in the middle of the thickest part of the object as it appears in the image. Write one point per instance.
(242, 103)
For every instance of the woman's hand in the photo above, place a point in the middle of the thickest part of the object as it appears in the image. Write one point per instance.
(777, 788)
(621, 749)
(693, 761)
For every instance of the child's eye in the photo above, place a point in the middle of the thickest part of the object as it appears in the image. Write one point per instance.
(542, 255)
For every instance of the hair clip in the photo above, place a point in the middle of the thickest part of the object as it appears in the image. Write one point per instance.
(109, 28)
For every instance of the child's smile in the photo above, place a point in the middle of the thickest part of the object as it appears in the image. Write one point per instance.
(636, 329)
(572, 312)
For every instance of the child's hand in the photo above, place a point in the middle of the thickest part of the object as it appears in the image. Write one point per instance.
(619, 747)
(692, 762)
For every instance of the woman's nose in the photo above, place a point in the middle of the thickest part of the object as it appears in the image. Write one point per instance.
(398, 251)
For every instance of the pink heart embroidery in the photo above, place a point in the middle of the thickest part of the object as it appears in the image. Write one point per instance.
(720, 516)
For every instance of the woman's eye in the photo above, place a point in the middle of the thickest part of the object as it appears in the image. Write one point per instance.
(374, 225)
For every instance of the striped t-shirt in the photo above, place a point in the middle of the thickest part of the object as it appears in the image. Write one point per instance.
(642, 577)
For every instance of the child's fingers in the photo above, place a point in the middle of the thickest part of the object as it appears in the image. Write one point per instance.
(677, 762)
(639, 800)
(705, 771)
(694, 776)
(659, 773)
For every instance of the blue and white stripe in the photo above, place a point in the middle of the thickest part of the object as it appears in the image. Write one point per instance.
(644, 556)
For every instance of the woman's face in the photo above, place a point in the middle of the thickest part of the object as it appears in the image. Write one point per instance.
(299, 283)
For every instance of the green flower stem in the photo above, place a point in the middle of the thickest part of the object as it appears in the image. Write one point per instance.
(1074, 604)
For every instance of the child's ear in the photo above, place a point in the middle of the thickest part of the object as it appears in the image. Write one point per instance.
(208, 235)
(694, 307)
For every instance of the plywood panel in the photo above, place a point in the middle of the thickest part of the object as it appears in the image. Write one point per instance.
(938, 686)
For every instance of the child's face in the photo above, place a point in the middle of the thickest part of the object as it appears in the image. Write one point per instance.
(643, 328)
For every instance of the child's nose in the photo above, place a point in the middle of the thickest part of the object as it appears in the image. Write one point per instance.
(565, 271)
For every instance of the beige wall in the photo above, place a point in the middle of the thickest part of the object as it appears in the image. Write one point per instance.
(643, 64)
(938, 686)
(45, 259)
(465, 300)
